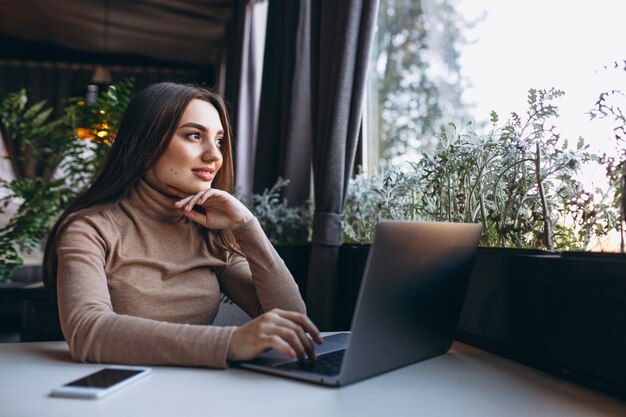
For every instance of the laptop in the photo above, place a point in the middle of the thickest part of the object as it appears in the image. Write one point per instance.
(407, 310)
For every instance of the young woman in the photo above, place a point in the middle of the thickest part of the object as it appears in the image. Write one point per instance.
(139, 259)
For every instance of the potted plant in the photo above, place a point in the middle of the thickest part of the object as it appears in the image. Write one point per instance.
(66, 152)
(534, 295)
(71, 146)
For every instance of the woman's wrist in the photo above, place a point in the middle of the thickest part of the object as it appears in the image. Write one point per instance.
(245, 219)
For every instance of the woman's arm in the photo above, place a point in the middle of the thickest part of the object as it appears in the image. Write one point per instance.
(264, 285)
(95, 333)
(261, 281)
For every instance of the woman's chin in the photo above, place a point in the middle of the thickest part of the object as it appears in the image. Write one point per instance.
(193, 188)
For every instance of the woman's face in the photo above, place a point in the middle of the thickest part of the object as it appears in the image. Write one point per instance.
(194, 154)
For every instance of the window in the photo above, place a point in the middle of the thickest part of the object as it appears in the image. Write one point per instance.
(441, 61)
(437, 62)
(415, 83)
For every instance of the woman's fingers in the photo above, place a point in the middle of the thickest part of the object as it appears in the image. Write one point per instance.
(221, 209)
(303, 321)
(297, 337)
(188, 198)
(203, 198)
(276, 329)
(200, 198)
(181, 203)
(195, 199)
(196, 217)
(293, 328)
(278, 343)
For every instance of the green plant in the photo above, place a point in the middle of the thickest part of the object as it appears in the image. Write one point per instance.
(283, 224)
(519, 180)
(540, 174)
(72, 146)
(388, 195)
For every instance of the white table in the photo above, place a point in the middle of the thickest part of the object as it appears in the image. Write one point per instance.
(465, 382)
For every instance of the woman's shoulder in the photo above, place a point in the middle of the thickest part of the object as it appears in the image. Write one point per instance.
(97, 219)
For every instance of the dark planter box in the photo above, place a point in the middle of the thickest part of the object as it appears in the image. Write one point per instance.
(296, 259)
(564, 313)
(11, 292)
(26, 307)
(350, 269)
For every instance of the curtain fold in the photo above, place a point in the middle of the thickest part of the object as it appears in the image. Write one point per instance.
(341, 39)
(248, 103)
(284, 131)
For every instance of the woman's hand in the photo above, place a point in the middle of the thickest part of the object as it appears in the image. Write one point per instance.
(285, 331)
(222, 210)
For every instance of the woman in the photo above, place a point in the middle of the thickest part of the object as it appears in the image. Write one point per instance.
(139, 259)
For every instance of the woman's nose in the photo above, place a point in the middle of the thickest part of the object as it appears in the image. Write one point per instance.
(211, 153)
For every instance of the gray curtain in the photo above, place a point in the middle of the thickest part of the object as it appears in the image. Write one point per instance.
(341, 39)
(248, 103)
(284, 131)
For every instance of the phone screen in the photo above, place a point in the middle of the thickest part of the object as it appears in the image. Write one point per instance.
(104, 379)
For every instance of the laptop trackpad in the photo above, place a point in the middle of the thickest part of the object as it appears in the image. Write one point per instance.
(332, 343)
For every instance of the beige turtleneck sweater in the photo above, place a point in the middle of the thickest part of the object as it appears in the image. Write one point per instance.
(138, 283)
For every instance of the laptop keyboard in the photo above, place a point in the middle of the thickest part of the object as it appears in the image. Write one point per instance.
(326, 364)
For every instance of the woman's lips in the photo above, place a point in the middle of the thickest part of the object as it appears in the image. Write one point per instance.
(204, 174)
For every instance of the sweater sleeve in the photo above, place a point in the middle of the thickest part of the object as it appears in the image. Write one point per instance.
(95, 333)
(260, 281)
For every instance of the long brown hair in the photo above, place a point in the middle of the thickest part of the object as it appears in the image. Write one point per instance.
(144, 133)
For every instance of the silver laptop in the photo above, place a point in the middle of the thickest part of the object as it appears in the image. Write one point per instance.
(408, 308)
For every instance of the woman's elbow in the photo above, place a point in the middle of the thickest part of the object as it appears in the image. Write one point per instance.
(81, 335)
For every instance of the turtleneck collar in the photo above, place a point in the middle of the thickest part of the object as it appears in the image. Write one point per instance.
(155, 204)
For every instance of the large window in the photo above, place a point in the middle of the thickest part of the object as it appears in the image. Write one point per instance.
(508, 67)
(441, 61)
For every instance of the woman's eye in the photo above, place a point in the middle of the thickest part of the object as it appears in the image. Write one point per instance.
(219, 141)
(194, 135)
